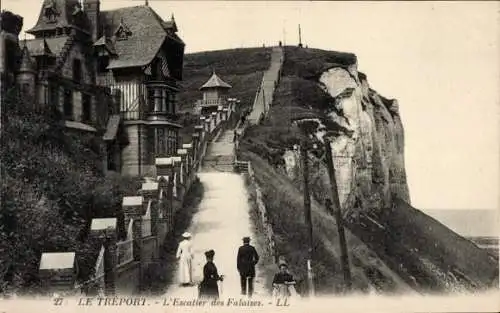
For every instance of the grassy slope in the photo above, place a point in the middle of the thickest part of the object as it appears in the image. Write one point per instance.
(299, 95)
(241, 68)
(285, 207)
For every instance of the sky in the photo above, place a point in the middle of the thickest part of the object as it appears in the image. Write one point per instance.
(439, 59)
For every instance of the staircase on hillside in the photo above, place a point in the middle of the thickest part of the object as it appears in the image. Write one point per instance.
(264, 96)
(220, 155)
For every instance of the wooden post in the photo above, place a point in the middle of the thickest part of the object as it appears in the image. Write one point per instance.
(264, 100)
(336, 212)
(307, 214)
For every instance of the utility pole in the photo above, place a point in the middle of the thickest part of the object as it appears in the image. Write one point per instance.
(307, 213)
(335, 211)
(300, 38)
(264, 99)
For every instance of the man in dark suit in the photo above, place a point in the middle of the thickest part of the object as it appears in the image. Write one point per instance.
(246, 260)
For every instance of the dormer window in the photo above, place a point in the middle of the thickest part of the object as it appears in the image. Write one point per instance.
(50, 12)
(122, 32)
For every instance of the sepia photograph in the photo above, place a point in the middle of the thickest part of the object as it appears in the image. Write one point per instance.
(165, 155)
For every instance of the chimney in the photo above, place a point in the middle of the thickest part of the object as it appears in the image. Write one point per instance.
(92, 8)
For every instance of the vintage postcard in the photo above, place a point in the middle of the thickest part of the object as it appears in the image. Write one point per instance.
(302, 156)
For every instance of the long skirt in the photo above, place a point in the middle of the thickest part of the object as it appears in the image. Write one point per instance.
(208, 290)
(185, 271)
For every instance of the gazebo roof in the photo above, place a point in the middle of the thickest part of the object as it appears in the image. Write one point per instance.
(215, 82)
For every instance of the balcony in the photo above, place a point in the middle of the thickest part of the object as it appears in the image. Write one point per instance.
(210, 102)
(157, 102)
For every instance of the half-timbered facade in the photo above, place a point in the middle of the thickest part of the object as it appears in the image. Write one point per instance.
(113, 73)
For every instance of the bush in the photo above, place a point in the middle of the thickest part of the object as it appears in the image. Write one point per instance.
(51, 189)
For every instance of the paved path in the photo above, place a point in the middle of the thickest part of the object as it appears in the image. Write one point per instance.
(269, 81)
(220, 223)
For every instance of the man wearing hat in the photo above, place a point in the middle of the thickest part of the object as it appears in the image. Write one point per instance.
(246, 260)
(185, 256)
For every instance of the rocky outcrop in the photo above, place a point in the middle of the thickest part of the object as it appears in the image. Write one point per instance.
(367, 143)
(367, 140)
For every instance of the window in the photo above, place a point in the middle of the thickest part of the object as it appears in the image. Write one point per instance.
(156, 69)
(172, 142)
(77, 70)
(86, 108)
(102, 63)
(150, 145)
(164, 100)
(68, 104)
(160, 141)
(171, 103)
(54, 96)
(157, 100)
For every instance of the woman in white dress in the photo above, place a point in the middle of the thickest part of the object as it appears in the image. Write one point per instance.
(185, 256)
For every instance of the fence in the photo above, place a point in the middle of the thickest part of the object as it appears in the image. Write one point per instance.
(146, 221)
(125, 251)
(125, 248)
(259, 201)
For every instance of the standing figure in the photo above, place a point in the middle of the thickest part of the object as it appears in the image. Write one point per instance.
(208, 288)
(246, 260)
(185, 256)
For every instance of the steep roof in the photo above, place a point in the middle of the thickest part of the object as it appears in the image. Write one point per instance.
(26, 62)
(64, 13)
(147, 35)
(56, 44)
(215, 82)
(37, 47)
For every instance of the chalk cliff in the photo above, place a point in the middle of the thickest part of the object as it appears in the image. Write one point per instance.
(369, 151)
(367, 143)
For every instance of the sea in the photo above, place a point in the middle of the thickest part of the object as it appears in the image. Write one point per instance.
(481, 226)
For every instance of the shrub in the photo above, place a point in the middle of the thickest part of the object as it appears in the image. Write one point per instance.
(51, 189)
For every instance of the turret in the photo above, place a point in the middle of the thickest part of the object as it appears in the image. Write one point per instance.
(26, 76)
(93, 10)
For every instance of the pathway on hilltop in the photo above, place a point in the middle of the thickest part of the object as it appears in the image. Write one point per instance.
(264, 97)
(221, 221)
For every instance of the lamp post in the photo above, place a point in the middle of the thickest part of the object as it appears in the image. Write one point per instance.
(304, 149)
